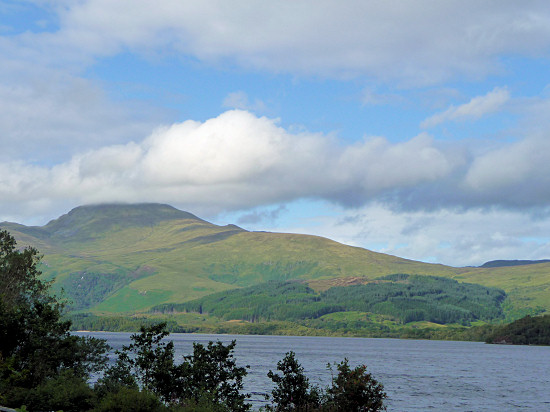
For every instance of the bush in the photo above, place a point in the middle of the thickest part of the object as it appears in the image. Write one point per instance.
(209, 379)
(355, 390)
(65, 392)
(352, 390)
(213, 370)
(293, 391)
(130, 400)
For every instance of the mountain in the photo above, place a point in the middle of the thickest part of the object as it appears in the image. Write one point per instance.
(501, 263)
(121, 258)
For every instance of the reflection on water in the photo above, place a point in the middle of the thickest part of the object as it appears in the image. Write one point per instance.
(417, 375)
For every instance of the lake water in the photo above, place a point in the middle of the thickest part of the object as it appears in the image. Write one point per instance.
(417, 375)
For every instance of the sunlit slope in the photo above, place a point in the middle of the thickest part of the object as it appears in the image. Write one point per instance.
(123, 258)
(528, 286)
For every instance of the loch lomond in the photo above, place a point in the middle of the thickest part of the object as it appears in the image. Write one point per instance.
(418, 375)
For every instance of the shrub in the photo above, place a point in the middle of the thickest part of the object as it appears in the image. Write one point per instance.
(293, 391)
(355, 390)
(209, 379)
(130, 400)
(352, 390)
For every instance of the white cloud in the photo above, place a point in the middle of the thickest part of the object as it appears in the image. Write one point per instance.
(233, 161)
(422, 42)
(476, 108)
(47, 116)
(233, 147)
(514, 175)
(238, 161)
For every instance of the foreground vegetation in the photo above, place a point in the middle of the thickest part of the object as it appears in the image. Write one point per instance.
(44, 367)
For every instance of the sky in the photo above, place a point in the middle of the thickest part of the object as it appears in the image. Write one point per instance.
(419, 129)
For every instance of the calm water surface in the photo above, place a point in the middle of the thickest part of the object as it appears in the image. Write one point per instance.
(417, 375)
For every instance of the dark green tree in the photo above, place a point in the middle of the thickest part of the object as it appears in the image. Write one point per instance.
(209, 379)
(213, 371)
(36, 348)
(293, 391)
(354, 390)
(146, 364)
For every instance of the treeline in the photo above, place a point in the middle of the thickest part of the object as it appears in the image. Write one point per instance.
(407, 298)
(364, 328)
(530, 330)
(89, 321)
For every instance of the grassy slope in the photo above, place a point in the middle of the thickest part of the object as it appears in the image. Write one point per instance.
(168, 256)
(527, 286)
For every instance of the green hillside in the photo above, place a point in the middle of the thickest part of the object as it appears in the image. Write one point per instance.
(525, 331)
(128, 258)
(406, 298)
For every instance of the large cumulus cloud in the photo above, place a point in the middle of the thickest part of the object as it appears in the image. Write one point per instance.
(236, 160)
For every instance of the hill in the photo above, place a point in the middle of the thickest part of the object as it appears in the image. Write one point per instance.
(501, 263)
(128, 258)
(526, 331)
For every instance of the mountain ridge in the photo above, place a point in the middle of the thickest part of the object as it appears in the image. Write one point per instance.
(131, 257)
(514, 262)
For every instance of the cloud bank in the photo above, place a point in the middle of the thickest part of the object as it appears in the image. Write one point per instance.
(238, 161)
(424, 42)
(233, 161)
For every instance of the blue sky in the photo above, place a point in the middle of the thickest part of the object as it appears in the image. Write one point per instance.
(419, 129)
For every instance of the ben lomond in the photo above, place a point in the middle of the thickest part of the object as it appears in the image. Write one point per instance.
(154, 260)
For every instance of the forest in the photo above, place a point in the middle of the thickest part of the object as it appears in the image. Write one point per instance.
(530, 330)
(407, 298)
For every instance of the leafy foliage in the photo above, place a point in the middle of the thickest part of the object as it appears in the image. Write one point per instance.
(352, 390)
(89, 321)
(19, 275)
(66, 392)
(209, 376)
(355, 390)
(213, 370)
(408, 298)
(36, 349)
(293, 391)
(147, 362)
(127, 399)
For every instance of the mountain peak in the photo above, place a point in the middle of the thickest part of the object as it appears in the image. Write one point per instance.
(83, 221)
